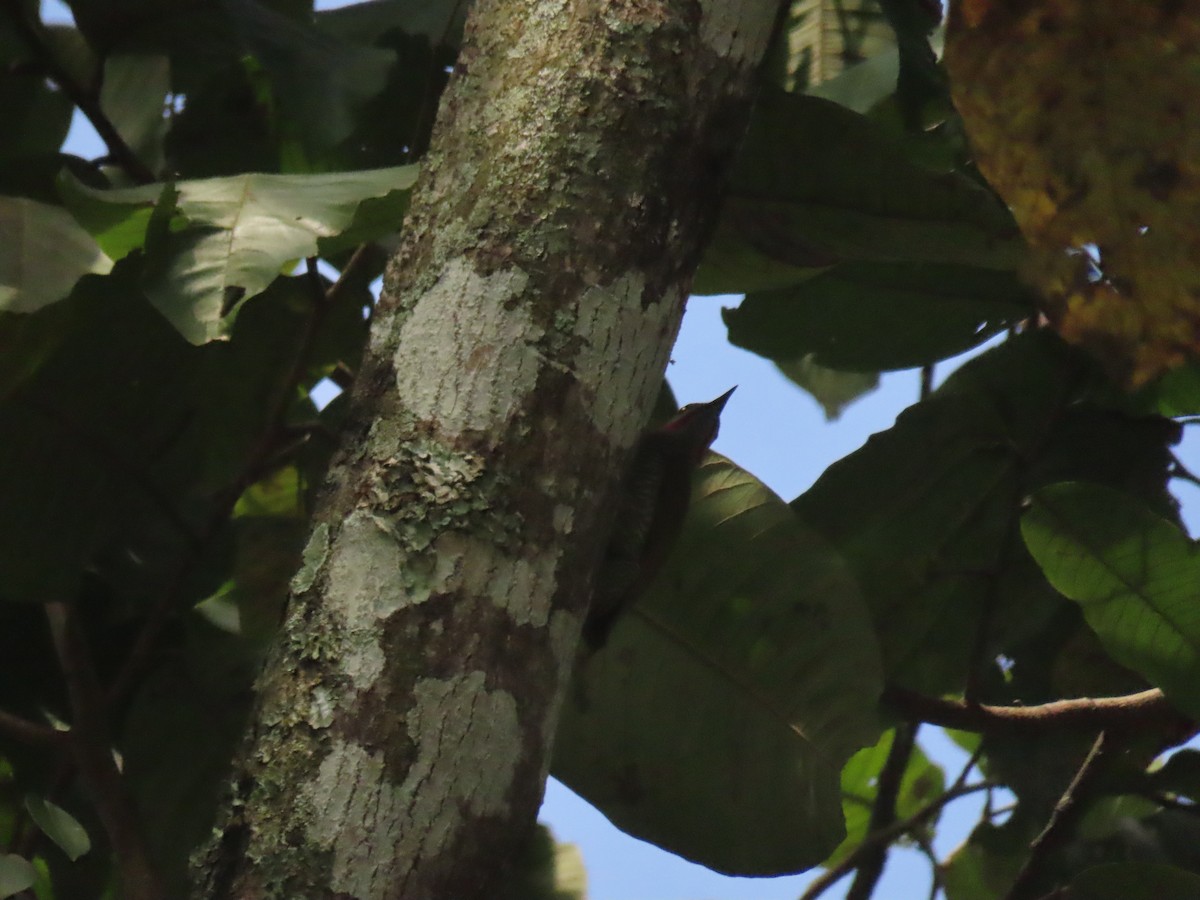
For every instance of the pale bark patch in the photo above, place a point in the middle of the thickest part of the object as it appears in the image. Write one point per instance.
(468, 356)
(737, 30)
(468, 744)
(365, 586)
(316, 551)
(523, 586)
(614, 326)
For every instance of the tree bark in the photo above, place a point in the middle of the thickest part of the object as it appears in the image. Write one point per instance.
(401, 739)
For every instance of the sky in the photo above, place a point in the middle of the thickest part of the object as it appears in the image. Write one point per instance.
(776, 431)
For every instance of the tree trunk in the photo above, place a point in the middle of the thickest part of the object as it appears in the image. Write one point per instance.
(401, 739)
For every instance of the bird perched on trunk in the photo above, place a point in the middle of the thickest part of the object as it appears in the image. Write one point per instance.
(652, 506)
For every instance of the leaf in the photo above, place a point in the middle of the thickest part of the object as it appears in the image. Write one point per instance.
(862, 86)
(247, 228)
(100, 424)
(438, 22)
(1134, 881)
(716, 720)
(16, 874)
(922, 782)
(133, 96)
(545, 870)
(879, 316)
(1135, 574)
(59, 825)
(1040, 103)
(43, 254)
(316, 79)
(832, 389)
(922, 510)
(851, 196)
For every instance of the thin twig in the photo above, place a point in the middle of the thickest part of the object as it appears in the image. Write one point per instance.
(935, 868)
(926, 381)
(92, 751)
(883, 812)
(1067, 812)
(1147, 708)
(831, 876)
(87, 101)
(1182, 472)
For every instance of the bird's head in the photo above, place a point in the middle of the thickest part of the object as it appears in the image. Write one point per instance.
(697, 424)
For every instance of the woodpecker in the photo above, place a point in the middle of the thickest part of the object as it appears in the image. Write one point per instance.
(652, 506)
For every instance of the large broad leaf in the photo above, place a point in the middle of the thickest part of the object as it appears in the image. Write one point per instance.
(834, 390)
(924, 511)
(879, 316)
(16, 874)
(246, 229)
(128, 442)
(817, 184)
(1136, 575)
(59, 825)
(43, 254)
(316, 80)
(133, 96)
(716, 720)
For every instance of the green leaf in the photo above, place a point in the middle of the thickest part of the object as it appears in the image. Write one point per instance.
(59, 825)
(716, 720)
(923, 511)
(832, 389)
(1134, 881)
(922, 782)
(246, 229)
(133, 96)
(1135, 574)
(851, 196)
(16, 874)
(438, 22)
(860, 87)
(879, 316)
(317, 79)
(119, 228)
(43, 254)
(545, 870)
(101, 424)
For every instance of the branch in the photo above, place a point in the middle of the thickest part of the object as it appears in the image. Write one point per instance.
(1182, 472)
(885, 836)
(91, 748)
(1067, 812)
(883, 813)
(28, 732)
(87, 101)
(1147, 708)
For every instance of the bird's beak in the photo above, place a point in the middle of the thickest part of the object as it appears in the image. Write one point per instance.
(719, 404)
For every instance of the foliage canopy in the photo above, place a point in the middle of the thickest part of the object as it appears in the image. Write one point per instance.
(1007, 559)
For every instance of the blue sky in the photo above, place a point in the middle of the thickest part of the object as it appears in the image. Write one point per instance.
(779, 433)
